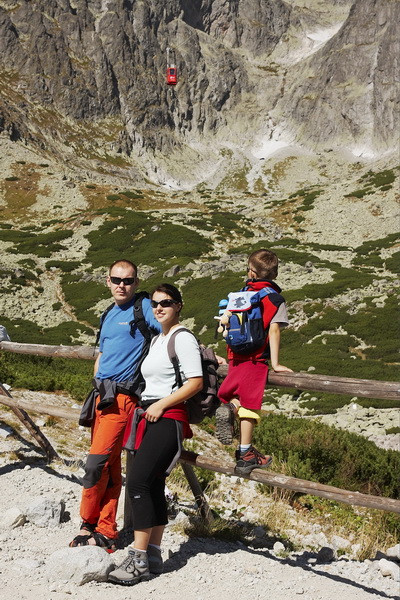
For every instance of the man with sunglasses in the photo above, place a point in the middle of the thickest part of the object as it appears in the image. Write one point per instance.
(121, 350)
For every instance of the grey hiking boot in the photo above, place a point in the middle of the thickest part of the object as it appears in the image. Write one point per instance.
(225, 423)
(135, 568)
(156, 565)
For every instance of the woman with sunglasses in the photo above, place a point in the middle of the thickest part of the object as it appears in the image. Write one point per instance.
(159, 427)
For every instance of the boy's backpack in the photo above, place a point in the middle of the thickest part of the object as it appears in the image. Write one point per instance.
(204, 403)
(246, 333)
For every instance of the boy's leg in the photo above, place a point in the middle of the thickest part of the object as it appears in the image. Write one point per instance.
(246, 428)
(225, 416)
(247, 457)
(226, 412)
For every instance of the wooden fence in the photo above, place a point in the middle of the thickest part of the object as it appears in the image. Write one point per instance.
(364, 388)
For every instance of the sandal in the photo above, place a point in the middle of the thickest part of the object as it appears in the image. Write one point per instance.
(89, 527)
(101, 541)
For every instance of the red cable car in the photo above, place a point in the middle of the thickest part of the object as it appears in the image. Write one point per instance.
(172, 75)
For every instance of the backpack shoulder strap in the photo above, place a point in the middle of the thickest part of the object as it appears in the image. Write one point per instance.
(138, 317)
(172, 353)
(102, 319)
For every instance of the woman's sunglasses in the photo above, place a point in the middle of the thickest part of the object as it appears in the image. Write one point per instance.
(164, 303)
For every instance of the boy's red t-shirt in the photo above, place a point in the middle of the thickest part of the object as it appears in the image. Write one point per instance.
(270, 305)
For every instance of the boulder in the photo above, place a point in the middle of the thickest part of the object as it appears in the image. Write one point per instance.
(393, 552)
(13, 517)
(389, 569)
(79, 565)
(45, 512)
(326, 554)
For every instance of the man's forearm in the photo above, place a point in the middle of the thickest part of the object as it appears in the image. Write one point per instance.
(96, 364)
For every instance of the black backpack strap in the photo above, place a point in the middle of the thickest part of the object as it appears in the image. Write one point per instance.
(172, 354)
(102, 318)
(138, 317)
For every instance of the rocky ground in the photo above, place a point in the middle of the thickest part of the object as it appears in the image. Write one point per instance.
(39, 507)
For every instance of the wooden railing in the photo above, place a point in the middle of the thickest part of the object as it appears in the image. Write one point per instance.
(364, 388)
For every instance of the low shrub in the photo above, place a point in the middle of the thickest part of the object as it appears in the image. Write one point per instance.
(317, 452)
(131, 233)
(38, 244)
(83, 295)
(47, 374)
(63, 265)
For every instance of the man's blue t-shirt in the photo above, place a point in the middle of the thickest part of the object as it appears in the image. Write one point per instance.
(121, 351)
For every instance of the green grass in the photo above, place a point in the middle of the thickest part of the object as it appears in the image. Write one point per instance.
(344, 279)
(318, 452)
(47, 374)
(393, 263)
(368, 254)
(201, 297)
(332, 354)
(129, 234)
(63, 265)
(28, 332)
(83, 295)
(38, 244)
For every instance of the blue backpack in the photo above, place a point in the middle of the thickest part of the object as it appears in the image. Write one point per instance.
(246, 333)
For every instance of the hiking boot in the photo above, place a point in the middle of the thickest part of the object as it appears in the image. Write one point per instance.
(135, 568)
(156, 565)
(251, 459)
(225, 423)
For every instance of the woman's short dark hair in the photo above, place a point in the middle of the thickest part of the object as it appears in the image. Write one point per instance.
(171, 290)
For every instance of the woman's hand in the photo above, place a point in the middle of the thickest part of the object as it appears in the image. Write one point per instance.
(154, 412)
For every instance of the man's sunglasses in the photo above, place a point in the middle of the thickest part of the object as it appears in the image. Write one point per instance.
(164, 303)
(124, 280)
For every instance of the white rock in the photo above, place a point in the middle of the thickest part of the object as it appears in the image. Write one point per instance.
(45, 512)
(339, 542)
(393, 552)
(5, 431)
(389, 569)
(79, 565)
(278, 547)
(13, 517)
(181, 518)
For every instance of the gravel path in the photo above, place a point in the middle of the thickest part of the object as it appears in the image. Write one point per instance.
(198, 568)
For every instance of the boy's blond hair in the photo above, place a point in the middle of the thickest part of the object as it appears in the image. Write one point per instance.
(264, 263)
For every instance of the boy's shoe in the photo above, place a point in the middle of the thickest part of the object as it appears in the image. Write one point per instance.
(225, 423)
(133, 569)
(251, 459)
(156, 565)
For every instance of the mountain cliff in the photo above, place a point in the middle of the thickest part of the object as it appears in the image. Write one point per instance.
(86, 79)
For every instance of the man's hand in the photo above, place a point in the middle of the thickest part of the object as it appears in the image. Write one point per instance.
(221, 360)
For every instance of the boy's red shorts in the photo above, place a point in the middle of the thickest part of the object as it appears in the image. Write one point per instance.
(245, 380)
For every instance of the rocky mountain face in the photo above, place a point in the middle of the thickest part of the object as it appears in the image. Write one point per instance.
(87, 78)
(347, 95)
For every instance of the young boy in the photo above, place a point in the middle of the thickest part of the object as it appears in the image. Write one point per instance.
(243, 388)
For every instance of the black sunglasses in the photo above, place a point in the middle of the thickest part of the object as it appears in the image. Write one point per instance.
(124, 280)
(164, 303)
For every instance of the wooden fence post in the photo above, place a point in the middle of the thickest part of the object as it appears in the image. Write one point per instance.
(198, 493)
(32, 428)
